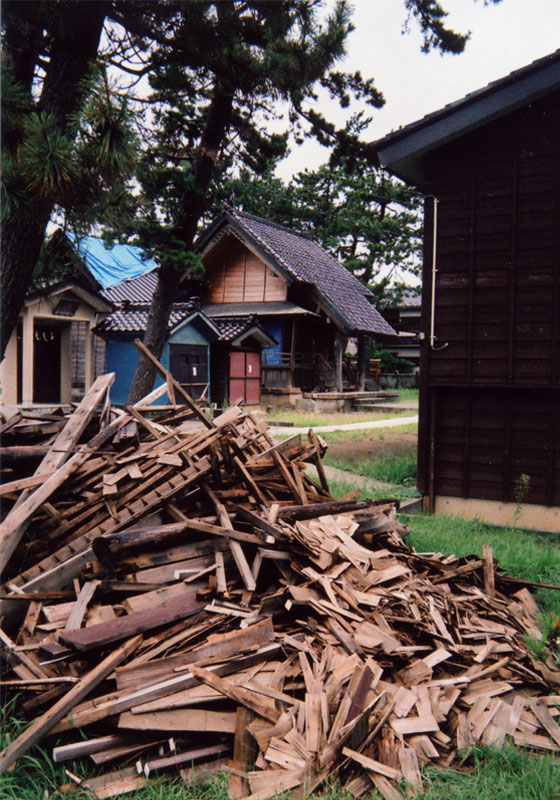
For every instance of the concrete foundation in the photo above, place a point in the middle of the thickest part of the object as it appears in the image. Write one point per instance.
(533, 517)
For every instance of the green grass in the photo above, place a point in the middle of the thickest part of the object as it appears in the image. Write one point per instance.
(408, 396)
(395, 468)
(311, 419)
(342, 488)
(531, 556)
(504, 774)
(375, 434)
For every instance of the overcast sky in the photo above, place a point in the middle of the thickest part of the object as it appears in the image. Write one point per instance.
(504, 37)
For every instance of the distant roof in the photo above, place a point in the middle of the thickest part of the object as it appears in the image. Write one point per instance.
(300, 258)
(263, 309)
(134, 317)
(236, 329)
(411, 301)
(111, 265)
(402, 152)
(133, 290)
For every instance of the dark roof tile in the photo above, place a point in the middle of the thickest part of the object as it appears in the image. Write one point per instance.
(305, 260)
(134, 317)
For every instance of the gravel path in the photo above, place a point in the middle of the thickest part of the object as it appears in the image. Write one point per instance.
(279, 430)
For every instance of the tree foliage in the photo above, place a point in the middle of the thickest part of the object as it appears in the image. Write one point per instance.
(363, 217)
(216, 72)
(65, 132)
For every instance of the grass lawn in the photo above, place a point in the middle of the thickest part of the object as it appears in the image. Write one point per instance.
(407, 396)
(311, 419)
(395, 468)
(380, 454)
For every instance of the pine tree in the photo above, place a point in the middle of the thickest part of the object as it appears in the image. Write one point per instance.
(64, 131)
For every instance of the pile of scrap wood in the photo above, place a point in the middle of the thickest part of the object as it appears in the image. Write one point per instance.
(181, 593)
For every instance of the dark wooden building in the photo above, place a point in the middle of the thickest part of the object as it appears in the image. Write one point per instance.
(489, 165)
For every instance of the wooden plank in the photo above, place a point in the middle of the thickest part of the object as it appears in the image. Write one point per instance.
(169, 379)
(23, 483)
(248, 699)
(223, 645)
(372, 765)
(488, 560)
(236, 549)
(69, 752)
(47, 721)
(544, 716)
(244, 753)
(80, 606)
(404, 727)
(191, 719)
(182, 758)
(13, 527)
(105, 633)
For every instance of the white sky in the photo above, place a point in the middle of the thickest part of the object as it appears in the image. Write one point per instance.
(504, 37)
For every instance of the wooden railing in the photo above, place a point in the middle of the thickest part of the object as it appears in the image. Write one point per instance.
(287, 360)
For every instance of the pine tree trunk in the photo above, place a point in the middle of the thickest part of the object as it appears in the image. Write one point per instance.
(75, 31)
(156, 332)
(193, 206)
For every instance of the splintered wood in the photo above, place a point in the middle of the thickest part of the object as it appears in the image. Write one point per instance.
(182, 593)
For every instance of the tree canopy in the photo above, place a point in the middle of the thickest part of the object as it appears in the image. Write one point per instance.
(216, 73)
(362, 216)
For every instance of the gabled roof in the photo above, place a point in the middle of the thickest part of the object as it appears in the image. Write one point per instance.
(402, 152)
(71, 286)
(114, 264)
(301, 259)
(236, 330)
(272, 308)
(133, 317)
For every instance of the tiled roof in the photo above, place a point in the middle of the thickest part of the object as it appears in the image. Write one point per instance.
(136, 290)
(299, 255)
(232, 327)
(134, 317)
(412, 301)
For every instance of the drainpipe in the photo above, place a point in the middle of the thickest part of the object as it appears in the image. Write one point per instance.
(433, 336)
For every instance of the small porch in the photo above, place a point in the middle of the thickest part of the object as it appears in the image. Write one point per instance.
(52, 350)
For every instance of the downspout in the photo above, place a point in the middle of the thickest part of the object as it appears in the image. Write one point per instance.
(433, 336)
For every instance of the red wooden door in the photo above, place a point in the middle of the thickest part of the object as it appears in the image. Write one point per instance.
(245, 376)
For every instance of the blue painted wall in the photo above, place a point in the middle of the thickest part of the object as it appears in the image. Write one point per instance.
(274, 328)
(122, 358)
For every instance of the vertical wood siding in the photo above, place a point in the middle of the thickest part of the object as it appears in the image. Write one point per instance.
(495, 387)
(236, 275)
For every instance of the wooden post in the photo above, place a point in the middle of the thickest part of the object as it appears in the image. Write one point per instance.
(28, 346)
(338, 352)
(363, 361)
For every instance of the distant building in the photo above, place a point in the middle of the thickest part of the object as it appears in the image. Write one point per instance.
(271, 317)
(405, 319)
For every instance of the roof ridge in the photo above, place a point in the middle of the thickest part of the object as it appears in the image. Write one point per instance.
(277, 225)
(472, 96)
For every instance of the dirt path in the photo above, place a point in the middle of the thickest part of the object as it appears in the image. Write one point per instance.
(375, 444)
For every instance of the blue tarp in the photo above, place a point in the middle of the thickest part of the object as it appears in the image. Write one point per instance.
(114, 265)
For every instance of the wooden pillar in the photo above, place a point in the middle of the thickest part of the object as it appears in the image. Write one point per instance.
(338, 353)
(28, 344)
(363, 361)
(65, 365)
(89, 365)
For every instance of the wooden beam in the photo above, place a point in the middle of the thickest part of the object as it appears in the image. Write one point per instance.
(107, 632)
(170, 380)
(43, 724)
